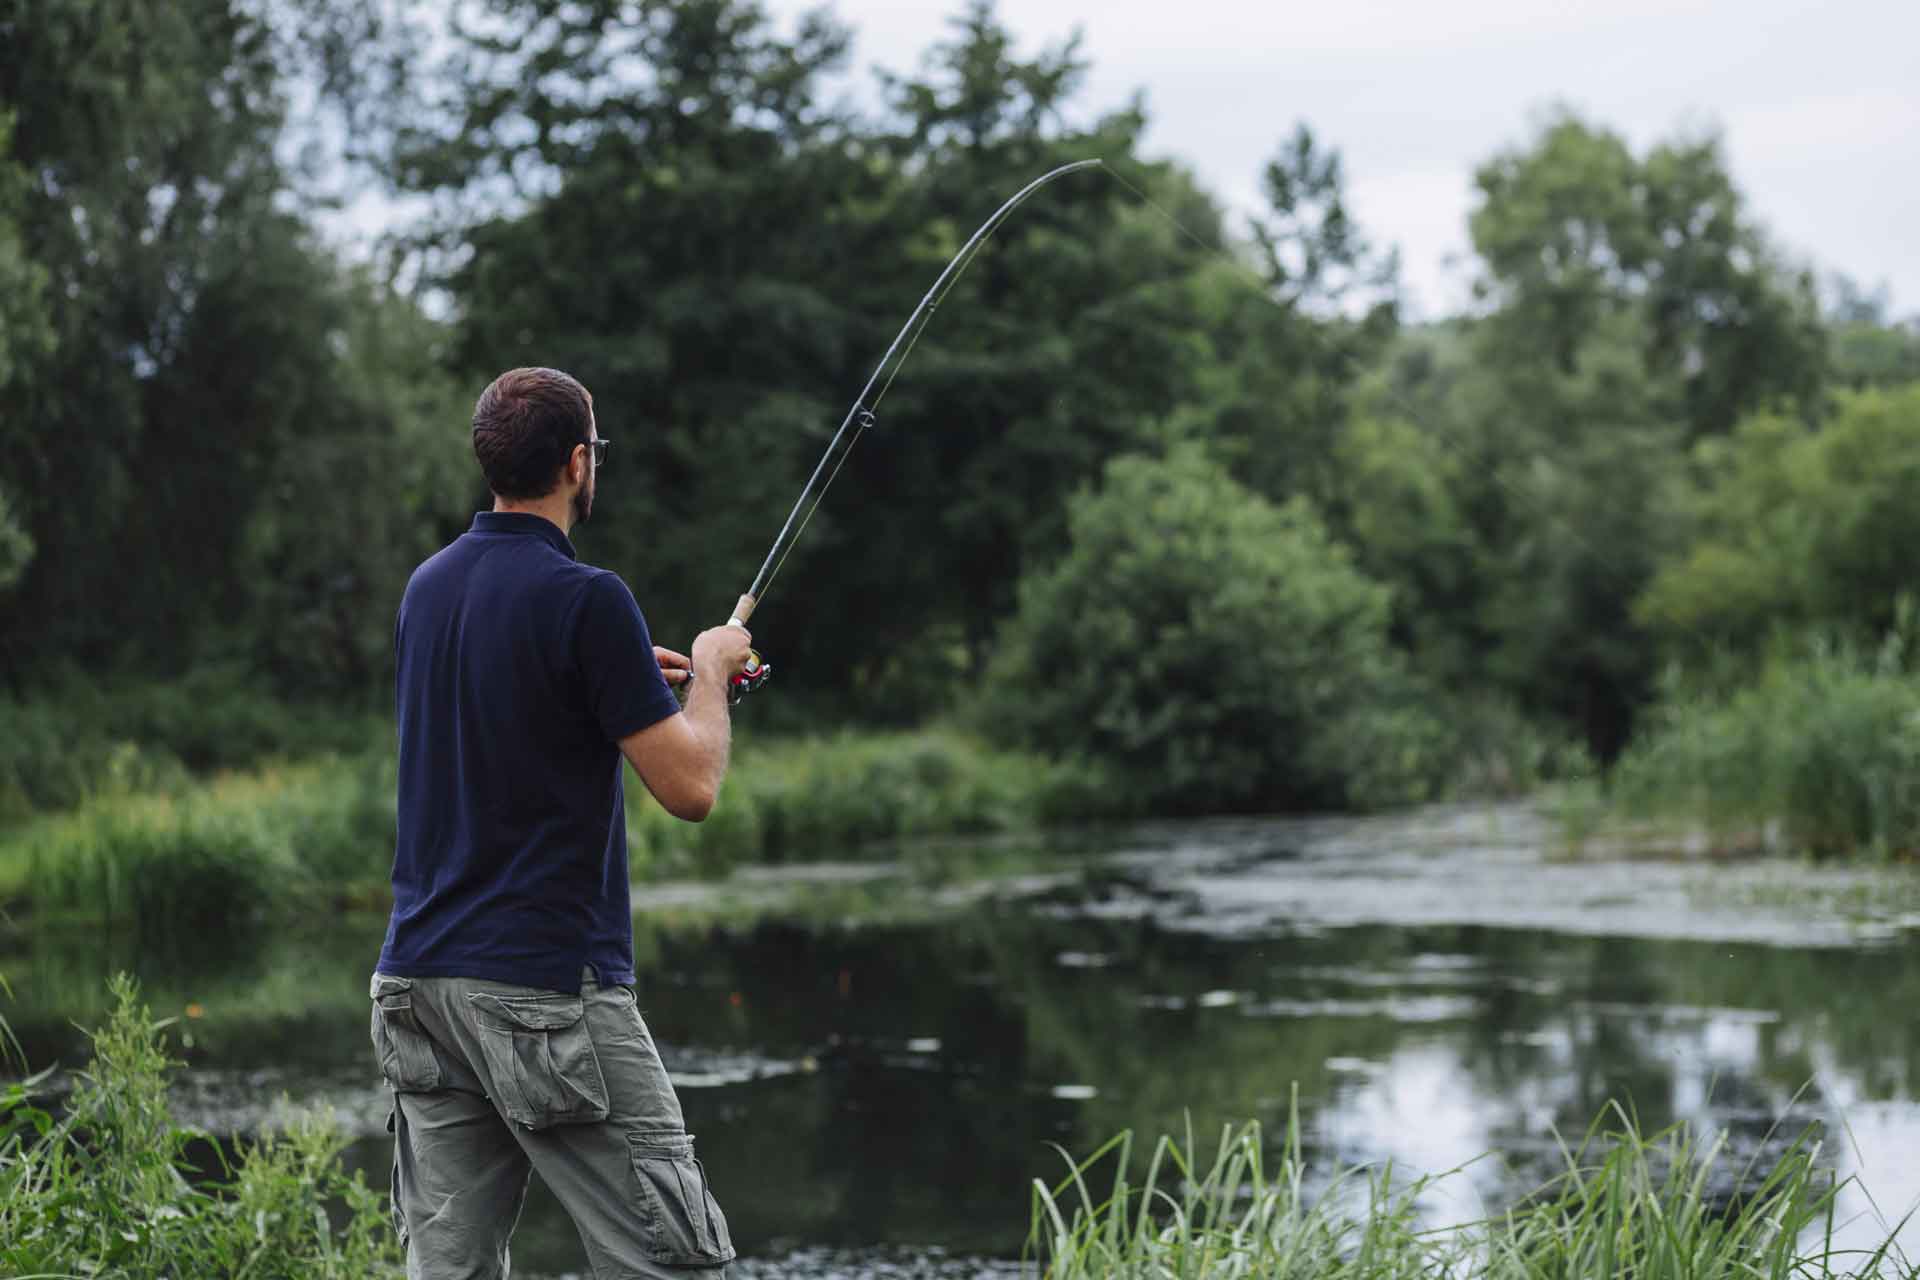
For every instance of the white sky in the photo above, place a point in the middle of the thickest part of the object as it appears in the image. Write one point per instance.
(1819, 102)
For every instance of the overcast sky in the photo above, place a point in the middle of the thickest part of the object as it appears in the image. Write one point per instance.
(1819, 103)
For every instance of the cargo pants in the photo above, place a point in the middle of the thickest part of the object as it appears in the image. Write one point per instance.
(491, 1080)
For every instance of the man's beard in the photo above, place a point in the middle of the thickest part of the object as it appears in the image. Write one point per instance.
(583, 503)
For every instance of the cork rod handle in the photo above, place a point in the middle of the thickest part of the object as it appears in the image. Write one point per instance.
(742, 610)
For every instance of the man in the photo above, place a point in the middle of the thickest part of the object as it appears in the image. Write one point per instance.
(504, 1014)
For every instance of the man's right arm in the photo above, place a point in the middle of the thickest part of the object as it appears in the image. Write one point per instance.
(682, 759)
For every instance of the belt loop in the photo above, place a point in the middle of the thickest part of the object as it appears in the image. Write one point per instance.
(589, 978)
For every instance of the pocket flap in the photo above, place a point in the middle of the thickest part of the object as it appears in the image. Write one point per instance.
(385, 985)
(531, 1013)
(660, 1146)
(684, 1224)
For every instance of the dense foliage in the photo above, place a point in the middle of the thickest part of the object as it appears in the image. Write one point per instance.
(1649, 445)
(1213, 651)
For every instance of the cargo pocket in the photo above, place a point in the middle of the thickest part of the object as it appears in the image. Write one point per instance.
(684, 1223)
(541, 1058)
(406, 1051)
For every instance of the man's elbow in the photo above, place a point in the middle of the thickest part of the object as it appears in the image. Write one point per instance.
(694, 805)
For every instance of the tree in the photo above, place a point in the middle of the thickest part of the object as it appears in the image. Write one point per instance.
(1870, 347)
(381, 441)
(147, 134)
(1312, 252)
(1797, 528)
(200, 334)
(623, 184)
(1574, 230)
(1292, 331)
(1213, 650)
(25, 333)
(1069, 340)
(654, 250)
(1517, 510)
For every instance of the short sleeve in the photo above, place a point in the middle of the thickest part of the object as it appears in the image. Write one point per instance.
(625, 690)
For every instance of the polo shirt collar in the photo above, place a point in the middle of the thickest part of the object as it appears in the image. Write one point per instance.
(524, 522)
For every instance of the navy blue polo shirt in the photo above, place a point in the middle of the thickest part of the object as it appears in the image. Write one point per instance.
(520, 669)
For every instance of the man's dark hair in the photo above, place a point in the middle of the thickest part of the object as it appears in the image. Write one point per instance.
(525, 426)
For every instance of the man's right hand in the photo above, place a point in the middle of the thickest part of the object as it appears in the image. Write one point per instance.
(721, 653)
(682, 759)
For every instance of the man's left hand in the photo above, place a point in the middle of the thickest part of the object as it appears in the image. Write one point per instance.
(676, 667)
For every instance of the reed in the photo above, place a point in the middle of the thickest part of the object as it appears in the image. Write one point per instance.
(847, 794)
(1821, 755)
(215, 854)
(1627, 1204)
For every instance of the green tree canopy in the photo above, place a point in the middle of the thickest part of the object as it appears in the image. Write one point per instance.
(721, 259)
(1796, 527)
(202, 337)
(1574, 228)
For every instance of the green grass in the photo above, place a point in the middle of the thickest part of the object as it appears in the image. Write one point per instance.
(106, 1188)
(216, 853)
(235, 848)
(1627, 1205)
(848, 794)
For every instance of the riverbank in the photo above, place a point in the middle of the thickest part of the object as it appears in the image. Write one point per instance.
(191, 822)
(172, 853)
(130, 1201)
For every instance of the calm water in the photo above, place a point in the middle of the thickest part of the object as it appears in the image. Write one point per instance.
(875, 1069)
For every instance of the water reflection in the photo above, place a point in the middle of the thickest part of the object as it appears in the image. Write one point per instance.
(865, 1092)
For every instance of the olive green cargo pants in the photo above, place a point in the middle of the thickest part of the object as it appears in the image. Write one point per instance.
(491, 1080)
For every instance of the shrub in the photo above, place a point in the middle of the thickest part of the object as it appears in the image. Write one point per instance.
(1501, 752)
(1213, 652)
(1826, 745)
(77, 738)
(107, 1190)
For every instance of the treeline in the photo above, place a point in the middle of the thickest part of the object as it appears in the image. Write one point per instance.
(1170, 489)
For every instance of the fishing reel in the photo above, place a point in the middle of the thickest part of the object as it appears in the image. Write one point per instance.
(756, 673)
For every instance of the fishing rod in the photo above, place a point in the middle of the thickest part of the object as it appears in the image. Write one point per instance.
(860, 417)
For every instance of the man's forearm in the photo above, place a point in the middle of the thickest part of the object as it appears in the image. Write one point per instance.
(711, 720)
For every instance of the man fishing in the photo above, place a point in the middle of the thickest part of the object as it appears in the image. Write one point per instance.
(504, 1013)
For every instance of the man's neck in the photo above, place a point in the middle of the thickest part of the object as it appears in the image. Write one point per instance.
(555, 508)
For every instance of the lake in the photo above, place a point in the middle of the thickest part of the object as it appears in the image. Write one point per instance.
(876, 1058)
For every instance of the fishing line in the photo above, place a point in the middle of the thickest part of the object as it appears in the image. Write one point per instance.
(861, 415)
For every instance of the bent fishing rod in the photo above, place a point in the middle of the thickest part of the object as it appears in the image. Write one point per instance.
(860, 417)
